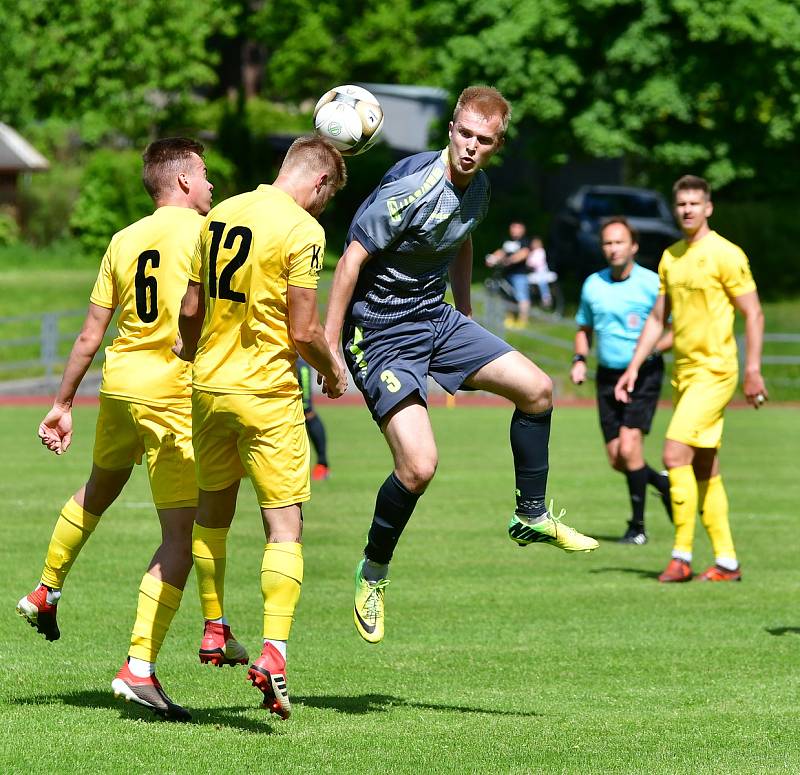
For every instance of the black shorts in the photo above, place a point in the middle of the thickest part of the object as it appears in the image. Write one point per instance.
(644, 398)
(389, 364)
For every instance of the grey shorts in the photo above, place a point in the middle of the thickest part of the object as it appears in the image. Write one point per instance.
(389, 364)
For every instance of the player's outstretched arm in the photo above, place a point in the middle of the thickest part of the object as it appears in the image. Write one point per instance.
(190, 321)
(55, 430)
(648, 339)
(755, 390)
(460, 271)
(309, 339)
(345, 278)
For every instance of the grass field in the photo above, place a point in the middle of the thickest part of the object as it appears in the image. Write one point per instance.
(496, 659)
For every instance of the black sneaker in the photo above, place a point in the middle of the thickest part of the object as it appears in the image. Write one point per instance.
(633, 535)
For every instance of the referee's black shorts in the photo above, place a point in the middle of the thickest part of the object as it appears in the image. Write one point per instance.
(644, 398)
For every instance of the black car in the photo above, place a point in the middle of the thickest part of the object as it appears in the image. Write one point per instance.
(575, 238)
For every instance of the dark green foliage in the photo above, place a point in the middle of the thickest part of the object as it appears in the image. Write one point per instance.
(769, 232)
(112, 196)
(671, 85)
(317, 45)
(110, 67)
(46, 202)
(9, 228)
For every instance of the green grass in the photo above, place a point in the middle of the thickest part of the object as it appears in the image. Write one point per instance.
(496, 659)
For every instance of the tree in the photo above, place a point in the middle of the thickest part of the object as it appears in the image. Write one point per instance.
(315, 45)
(110, 67)
(670, 84)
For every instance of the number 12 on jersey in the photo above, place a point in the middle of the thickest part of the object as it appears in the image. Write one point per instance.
(219, 287)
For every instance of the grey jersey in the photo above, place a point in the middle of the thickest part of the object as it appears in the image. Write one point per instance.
(412, 225)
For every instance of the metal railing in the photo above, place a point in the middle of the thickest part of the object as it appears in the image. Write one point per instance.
(32, 347)
(492, 310)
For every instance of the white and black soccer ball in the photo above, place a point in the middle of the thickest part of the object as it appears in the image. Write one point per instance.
(350, 117)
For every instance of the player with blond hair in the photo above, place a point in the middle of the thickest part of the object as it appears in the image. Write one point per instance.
(145, 410)
(704, 280)
(250, 308)
(387, 300)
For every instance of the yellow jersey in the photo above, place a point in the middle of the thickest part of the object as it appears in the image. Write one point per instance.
(252, 248)
(701, 279)
(144, 272)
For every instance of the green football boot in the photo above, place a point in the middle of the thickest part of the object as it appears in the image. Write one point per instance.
(368, 607)
(550, 530)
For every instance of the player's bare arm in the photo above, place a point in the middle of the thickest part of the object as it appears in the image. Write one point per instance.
(583, 343)
(190, 322)
(460, 272)
(518, 257)
(55, 430)
(665, 342)
(345, 278)
(309, 339)
(755, 390)
(651, 334)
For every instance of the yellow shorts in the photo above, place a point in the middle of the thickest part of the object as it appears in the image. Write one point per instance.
(262, 437)
(700, 399)
(126, 431)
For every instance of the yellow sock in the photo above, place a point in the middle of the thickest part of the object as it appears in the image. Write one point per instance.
(73, 528)
(158, 602)
(714, 515)
(683, 493)
(208, 550)
(281, 579)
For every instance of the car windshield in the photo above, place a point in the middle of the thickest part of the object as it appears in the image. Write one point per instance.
(604, 205)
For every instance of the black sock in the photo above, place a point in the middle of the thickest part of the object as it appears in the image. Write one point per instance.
(316, 432)
(657, 479)
(393, 508)
(661, 482)
(637, 487)
(530, 437)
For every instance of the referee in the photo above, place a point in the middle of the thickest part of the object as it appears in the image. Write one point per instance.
(614, 305)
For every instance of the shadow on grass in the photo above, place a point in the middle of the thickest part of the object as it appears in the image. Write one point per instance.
(383, 703)
(608, 539)
(783, 630)
(217, 717)
(645, 574)
(230, 716)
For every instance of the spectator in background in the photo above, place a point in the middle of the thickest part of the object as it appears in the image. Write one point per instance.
(512, 256)
(539, 271)
(615, 303)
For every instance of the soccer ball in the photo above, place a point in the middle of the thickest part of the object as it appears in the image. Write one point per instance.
(350, 117)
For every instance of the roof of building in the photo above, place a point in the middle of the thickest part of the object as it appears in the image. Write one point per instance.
(17, 154)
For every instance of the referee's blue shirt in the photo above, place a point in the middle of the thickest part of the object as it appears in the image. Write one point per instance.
(616, 311)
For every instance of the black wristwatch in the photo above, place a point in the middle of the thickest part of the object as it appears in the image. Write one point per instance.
(578, 358)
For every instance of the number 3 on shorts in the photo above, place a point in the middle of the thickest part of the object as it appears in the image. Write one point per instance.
(392, 383)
